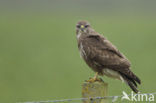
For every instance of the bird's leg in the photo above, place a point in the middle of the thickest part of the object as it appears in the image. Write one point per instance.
(95, 78)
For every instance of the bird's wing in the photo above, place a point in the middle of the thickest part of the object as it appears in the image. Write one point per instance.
(100, 50)
(102, 53)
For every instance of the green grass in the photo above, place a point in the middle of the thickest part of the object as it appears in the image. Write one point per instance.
(39, 59)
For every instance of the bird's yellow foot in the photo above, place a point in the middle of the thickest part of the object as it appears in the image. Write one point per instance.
(91, 80)
(94, 79)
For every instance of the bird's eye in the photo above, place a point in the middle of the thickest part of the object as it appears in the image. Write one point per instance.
(86, 26)
(78, 26)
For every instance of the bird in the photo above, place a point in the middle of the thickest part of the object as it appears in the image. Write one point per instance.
(103, 57)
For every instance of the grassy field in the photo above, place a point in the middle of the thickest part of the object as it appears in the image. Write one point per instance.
(39, 58)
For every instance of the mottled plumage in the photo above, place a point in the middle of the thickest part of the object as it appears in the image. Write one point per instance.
(102, 56)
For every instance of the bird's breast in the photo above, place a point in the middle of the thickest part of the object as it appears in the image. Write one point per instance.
(82, 51)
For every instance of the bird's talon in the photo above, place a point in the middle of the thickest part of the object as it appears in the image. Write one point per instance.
(91, 80)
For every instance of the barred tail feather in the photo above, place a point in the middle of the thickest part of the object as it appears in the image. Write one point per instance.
(136, 79)
(132, 86)
(131, 82)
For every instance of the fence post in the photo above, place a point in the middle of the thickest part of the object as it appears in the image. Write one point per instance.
(95, 89)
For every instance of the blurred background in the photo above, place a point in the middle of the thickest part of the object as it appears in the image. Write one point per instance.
(39, 58)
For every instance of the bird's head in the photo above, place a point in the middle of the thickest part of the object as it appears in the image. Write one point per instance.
(82, 27)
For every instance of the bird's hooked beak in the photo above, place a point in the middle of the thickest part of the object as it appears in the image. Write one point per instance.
(82, 27)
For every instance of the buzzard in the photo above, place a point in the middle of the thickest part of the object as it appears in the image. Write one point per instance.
(103, 57)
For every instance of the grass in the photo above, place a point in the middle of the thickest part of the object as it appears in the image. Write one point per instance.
(39, 59)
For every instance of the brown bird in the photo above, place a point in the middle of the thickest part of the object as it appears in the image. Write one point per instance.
(103, 57)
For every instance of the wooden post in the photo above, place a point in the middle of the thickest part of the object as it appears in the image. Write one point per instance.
(95, 89)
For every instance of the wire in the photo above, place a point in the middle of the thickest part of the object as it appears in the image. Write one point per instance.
(73, 100)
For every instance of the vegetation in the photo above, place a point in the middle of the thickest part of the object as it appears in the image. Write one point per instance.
(39, 58)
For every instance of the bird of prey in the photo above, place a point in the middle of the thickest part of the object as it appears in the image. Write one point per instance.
(103, 57)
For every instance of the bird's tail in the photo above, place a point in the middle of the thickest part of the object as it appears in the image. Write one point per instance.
(131, 81)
